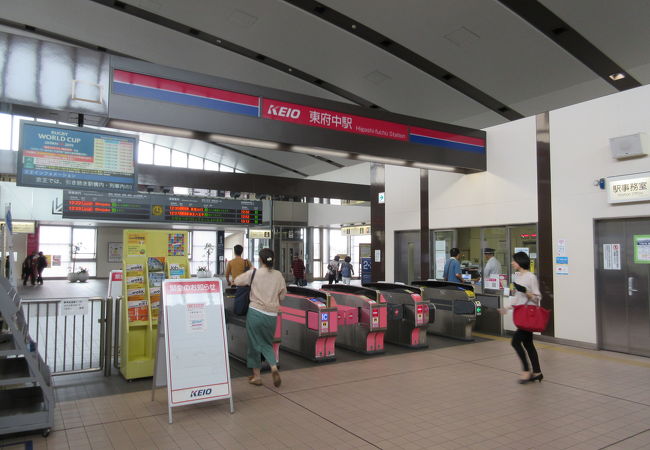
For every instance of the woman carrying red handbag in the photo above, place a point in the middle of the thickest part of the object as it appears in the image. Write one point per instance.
(526, 293)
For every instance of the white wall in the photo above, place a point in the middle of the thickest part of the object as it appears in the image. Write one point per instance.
(579, 155)
(356, 174)
(402, 209)
(320, 215)
(505, 194)
(104, 236)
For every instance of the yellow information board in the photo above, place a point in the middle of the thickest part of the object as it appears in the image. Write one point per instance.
(149, 256)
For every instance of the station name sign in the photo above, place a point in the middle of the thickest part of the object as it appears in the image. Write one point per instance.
(178, 92)
(144, 207)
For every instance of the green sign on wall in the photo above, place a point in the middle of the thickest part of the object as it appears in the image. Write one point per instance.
(642, 249)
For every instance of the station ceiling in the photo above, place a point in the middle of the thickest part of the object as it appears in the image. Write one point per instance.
(474, 63)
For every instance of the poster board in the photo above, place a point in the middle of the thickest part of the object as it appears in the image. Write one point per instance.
(196, 348)
(146, 256)
(114, 252)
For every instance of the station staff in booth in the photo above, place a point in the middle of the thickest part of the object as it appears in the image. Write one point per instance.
(493, 266)
(237, 265)
(453, 271)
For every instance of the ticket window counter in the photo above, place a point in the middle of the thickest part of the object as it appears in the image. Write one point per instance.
(504, 240)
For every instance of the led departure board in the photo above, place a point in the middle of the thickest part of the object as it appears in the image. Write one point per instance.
(106, 206)
(160, 208)
(210, 210)
(55, 156)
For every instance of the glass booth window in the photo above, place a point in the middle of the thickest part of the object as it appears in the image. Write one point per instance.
(523, 238)
(496, 240)
(56, 242)
(338, 244)
(199, 252)
(86, 239)
(356, 261)
(86, 257)
(145, 152)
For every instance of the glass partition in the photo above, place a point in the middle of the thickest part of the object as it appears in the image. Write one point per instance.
(503, 240)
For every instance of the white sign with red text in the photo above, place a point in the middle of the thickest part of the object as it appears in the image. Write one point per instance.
(115, 284)
(196, 348)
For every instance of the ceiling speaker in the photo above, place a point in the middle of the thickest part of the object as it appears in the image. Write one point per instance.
(631, 146)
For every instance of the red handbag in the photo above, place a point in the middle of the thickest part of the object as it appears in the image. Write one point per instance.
(530, 317)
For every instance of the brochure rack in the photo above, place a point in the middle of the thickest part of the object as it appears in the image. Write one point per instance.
(149, 256)
(26, 393)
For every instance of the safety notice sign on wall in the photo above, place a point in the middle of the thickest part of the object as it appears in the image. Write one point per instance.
(612, 256)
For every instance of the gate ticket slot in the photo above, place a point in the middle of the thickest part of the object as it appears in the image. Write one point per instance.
(236, 330)
(309, 324)
(456, 307)
(409, 315)
(362, 317)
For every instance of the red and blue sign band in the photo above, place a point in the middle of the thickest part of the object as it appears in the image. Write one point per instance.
(162, 89)
(448, 140)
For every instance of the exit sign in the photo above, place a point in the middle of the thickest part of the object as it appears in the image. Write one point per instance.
(381, 197)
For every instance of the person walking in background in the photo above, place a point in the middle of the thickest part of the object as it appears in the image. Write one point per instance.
(237, 265)
(41, 264)
(29, 269)
(452, 271)
(333, 270)
(346, 270)
(526, 292)
(298, 270)
(266, 292)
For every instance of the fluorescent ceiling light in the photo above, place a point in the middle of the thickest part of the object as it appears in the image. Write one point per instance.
(428, 166)
(617, 76)
(152, 129)
(382, 160)
(223, 139)
(319, 151)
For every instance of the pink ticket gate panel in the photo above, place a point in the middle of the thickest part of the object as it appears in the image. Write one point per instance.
(236, 331)
(309, 324)
(362, 317)
(409, 315)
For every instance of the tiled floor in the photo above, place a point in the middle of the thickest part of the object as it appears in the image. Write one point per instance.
(463, 396)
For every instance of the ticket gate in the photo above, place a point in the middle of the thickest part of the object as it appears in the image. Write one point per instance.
(456, 307)
(309, 324)
(409, 315)
(236, 330)
(362, 317)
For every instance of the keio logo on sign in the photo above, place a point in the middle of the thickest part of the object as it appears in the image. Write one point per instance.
(201, 392)
(283, 111)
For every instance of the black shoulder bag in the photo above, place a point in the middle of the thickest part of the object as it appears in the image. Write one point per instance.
(243, 297)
